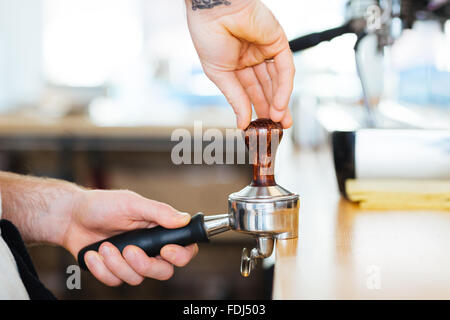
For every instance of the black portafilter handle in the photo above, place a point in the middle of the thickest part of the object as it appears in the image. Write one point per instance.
(151, 240)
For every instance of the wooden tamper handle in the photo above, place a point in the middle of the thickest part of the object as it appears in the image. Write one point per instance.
(262, 137)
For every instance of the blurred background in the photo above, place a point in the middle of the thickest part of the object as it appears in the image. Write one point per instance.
(90, 91)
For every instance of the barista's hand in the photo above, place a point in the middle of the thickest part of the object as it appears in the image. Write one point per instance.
(97, 215)
(233, 42)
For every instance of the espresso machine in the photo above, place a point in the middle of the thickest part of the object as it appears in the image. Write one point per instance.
(386, 20)
(263, 209)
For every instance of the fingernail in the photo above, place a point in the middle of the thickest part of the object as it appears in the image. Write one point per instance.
(105, 250)
(129, 254)
(183, 215)
(90, 258)
(170, 252)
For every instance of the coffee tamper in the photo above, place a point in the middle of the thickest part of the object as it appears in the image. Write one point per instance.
(263, 209)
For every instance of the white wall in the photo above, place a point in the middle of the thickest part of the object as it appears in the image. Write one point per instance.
(21, 78)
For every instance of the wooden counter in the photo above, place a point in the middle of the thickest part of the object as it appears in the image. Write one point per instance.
(347, 253)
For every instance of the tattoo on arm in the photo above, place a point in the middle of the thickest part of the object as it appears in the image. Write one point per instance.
(208, 4)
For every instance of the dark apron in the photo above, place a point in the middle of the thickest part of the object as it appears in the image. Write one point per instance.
(35, 288)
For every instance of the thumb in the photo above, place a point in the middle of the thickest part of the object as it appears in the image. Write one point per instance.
(158, 212)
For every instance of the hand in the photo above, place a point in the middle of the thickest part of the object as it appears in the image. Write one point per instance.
(97, 215)
(233, 43)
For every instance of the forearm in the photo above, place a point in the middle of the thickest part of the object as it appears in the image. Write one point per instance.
(208, 4)
(212, 9)
(39, 207)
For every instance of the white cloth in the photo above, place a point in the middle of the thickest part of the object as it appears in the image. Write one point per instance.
(11, 285)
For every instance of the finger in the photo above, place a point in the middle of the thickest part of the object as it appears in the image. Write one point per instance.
(141, 208)
(250, 82)
(178, 255)
(273, 73)
(275, 114)
(95, 264)
(287, 119)
(149, 267)
(286, 70)
(230, 86)
(115, 262)
(265, 80)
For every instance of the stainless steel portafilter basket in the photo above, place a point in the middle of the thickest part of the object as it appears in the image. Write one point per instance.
(267, 213)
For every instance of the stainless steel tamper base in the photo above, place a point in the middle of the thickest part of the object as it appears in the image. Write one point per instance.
(266, 212)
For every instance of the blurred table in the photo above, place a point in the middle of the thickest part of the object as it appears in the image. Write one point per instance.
(344, 252)
(28, 132)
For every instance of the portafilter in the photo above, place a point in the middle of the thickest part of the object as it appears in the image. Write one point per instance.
(263, 209)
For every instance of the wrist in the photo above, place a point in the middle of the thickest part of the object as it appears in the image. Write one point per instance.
(40, 208)
(60, 215)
